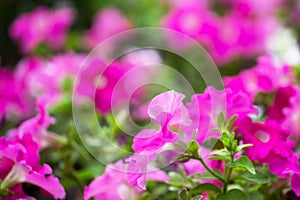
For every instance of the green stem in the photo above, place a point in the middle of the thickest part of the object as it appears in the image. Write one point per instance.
(228, 176)
(220, 178)
(82, 152)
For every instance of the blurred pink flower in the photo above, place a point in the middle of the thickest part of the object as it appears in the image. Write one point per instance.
(37, 75)
(13, 97)
(265, 77)
(295, 180)
(281, 101)
(106, 23)
(37, 126)
(236, 34)
(292, 116)
(286, 109)
(42, 25)
(111, 85)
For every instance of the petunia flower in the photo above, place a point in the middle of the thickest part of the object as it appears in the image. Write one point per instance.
(264, 77)
(169, 112)
(20, 164)
(205, 108)
(13, 97)
(38, 125)
(103, 27)
(42, 25)
(113, 184)
(270, 145)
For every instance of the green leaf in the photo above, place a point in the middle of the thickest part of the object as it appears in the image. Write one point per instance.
(177, 180)
(242, 146)
(220, 152)
(145, 196)
(234, 194)
(242, 161)
(231, 122)
(259, 178)
(183, 194)
(226, 158)
(206, 175)
(199, 189)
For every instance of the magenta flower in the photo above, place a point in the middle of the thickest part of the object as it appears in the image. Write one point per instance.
(37, 75)
(241, 32)
(205, 108)
(169, 112)
(295, 180)
(13, 97)
(42, 26)
(281, 101)
(103, 27)
(113, 184)
(37, 126)
(111, 85)
(20, 164)
(270, 145)
(98, 83)
(265, 77)
(292, 116)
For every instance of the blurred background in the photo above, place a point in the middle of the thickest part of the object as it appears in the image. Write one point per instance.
(251, 20)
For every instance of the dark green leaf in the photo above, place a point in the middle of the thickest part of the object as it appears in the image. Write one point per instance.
(242, 161)
(183, 194)
(259, 178)
(234, 194)
(177, 180)
(206, 175)
(199, 189)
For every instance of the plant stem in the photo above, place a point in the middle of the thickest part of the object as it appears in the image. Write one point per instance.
(81, 151)
(220, 178)
(227, 179)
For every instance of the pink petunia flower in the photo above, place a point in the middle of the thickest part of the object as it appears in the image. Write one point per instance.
(205, 108)
(270, 145)
(103, 27)
(42, 26)
(37, 126)
(13, 96)
(265, 77)
(37, 75)
(20, 164)
(113, 184)
(241, 32)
